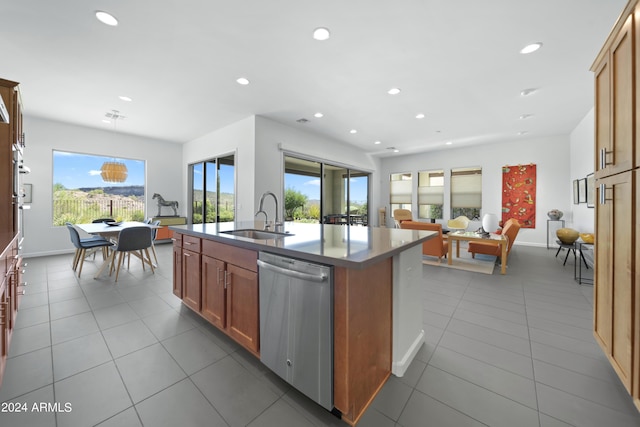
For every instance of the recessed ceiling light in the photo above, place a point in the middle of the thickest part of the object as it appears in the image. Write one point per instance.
(448, 143)
(106, 121)
(321, 33)
(525, 116)
(352, 131)
(106, 18)
(378, 142)
(393, 91)
(243, 81)
(531, 48)
(318, 115)
(396, 150)
(125, 98)
(420, 116)
(527, 92)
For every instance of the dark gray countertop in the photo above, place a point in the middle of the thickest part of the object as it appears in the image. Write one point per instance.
(341, 245)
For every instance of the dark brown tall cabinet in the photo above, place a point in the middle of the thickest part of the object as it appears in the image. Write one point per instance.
(11, 266)
(617, 214)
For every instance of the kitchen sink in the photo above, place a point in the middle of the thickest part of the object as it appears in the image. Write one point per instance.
(257, 234)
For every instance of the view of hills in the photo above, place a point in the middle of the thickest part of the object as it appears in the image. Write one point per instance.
(129, 190)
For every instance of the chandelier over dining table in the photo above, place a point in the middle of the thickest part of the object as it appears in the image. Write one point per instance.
(114, 171)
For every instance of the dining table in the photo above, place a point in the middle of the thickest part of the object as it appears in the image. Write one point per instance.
(110, 231)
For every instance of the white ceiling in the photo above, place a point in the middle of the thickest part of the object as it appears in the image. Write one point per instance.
(458, 62)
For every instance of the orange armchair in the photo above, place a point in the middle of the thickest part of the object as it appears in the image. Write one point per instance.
(433, 247)
(510, 230)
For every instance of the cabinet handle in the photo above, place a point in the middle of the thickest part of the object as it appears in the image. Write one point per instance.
(227, 279)
(603, 158)
(218, 278)
(603, 194)
(185, 254)
(22, 292)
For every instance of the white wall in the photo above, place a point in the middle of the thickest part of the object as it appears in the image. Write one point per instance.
(581, 164)
(237, 138)
(258, 144)
(551, 155)
(163, 161)
(273, 139)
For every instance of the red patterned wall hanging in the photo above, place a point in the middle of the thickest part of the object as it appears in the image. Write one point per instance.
(519, 194)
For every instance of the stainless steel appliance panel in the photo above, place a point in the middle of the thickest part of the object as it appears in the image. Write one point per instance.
(296, 324)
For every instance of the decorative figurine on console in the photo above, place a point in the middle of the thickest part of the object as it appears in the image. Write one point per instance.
(162, 202)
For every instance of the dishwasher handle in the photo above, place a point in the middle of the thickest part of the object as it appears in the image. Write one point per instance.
(292, 273)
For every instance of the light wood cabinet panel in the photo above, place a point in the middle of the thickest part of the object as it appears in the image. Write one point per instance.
(615, 105)
(213, 291)
(636, 308)
(243, 311)
(614, 291)
(617, 155)
(191, 283)
(602, 112)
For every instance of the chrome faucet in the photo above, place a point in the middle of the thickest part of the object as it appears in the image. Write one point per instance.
(261, 210)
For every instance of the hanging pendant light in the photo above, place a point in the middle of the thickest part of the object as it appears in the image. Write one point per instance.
(114, 171)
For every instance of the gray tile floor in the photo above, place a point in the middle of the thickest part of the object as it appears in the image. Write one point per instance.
(514, 350)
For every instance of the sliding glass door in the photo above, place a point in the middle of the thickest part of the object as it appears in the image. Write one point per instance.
(213, 190)
(316, 191)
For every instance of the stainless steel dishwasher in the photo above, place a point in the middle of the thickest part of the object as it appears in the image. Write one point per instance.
(296, 324)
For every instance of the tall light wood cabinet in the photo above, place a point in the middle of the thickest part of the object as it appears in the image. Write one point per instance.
(617, 173)
(615, 286)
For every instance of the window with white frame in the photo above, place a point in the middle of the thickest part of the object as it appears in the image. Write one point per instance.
(400, 191)
(466, 192)
(430, 194)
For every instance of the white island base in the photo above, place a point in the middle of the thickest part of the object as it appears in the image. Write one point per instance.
(408, 334)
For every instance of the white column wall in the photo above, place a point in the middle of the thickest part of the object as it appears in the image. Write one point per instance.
(582, 163)
(237, 138)
(272, 138)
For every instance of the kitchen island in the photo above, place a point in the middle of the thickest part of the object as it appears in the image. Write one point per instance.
(377, 301)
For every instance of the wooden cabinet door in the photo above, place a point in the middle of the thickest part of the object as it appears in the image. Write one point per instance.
(636, 337)
(4, 325)
(191, 283)
(243, 314)
(614, 153)
(177, 268)
(602, 113)
(213, 291)
(614, 283)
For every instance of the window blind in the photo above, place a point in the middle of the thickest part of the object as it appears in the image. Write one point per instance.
(466, 188)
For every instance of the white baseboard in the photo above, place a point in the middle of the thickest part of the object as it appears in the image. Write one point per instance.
(399, 367)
